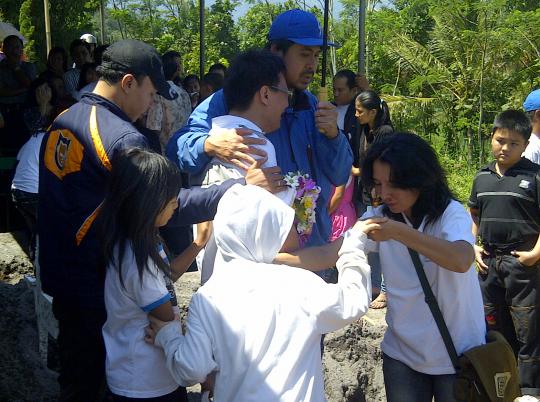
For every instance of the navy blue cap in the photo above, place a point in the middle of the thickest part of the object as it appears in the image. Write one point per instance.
(532, 102)
(299, 27)
(135, 57)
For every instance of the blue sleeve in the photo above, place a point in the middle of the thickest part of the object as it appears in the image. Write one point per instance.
(333, 155)
(198, 204)
(186, 147)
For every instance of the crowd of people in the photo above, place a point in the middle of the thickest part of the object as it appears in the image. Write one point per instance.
(128, 173)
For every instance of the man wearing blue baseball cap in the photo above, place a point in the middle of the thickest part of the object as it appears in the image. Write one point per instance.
(532, 108)
(308, 139)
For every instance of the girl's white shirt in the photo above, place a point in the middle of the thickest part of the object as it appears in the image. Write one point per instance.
(134, 368)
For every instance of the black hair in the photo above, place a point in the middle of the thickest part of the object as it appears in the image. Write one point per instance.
(10, 37)
(282, 45)
(215, 80)
(98, 53)
(170, 56)
(370, 100)
(413, 166)
(169, 69)
(76, 43)
(349, 76)
(188, 78)
(141, 184)
(249, 72)
(58, 50)
(218, 66)
(82, 79)
(515, 121)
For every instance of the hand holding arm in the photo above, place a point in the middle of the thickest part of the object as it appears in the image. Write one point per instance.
(456, 256)
(269, 178)
(234, 146)
(314, 259)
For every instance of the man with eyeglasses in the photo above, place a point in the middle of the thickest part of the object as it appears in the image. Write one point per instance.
(256, 95)
(308, 139)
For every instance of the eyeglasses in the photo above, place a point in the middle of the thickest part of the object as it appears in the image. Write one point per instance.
(285, 91)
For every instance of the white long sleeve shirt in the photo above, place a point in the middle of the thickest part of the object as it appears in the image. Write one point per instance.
(259, 325)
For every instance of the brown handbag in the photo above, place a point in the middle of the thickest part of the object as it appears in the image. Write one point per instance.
(485, 373)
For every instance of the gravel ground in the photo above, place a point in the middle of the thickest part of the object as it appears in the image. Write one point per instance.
(352, 358)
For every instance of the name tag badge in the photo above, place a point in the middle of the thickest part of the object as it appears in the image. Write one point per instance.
(524, 184)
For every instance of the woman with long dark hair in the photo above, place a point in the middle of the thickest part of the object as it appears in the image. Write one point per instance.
(373, 115)
(424, 216)
(142, 197)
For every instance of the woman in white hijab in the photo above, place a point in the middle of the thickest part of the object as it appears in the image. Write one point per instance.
(259, 325)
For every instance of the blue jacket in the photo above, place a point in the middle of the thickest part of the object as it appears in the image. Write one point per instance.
(74, 169)
(299, 147)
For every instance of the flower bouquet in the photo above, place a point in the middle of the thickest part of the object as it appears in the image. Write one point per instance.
(305, 202)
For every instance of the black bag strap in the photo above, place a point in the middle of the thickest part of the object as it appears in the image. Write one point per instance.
(435, 310)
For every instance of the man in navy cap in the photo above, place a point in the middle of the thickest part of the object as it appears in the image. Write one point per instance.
(75, 164)
(532, 108)
(308, 139)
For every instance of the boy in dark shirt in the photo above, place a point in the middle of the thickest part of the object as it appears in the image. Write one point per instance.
(504, 205)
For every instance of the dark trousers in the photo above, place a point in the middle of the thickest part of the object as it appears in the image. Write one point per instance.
(179, 395)
(403, 384)
(27, 203)
(511, 304)
(82, 352)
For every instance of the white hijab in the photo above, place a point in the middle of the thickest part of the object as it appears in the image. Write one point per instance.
(251, 224)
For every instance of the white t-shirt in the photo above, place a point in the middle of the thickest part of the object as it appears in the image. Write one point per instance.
(134, 368)
(532, 152)
(412, 336)
(342, 111)
(27, 172)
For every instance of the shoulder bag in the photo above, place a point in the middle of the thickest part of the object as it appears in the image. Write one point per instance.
(485, 373)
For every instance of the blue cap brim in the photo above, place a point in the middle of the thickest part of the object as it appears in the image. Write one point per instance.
(311, 42)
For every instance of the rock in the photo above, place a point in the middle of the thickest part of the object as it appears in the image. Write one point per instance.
(14, 263)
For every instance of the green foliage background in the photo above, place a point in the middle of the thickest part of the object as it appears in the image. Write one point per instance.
(446, 67)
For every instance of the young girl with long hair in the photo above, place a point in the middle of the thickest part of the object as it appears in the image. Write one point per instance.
(142, 197)
(424, 216)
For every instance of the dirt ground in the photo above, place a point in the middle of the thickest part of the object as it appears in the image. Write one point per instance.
(352, 358)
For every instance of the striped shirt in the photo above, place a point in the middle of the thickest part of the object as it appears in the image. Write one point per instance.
(508, 206)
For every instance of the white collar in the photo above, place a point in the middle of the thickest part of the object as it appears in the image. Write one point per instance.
(230, 121)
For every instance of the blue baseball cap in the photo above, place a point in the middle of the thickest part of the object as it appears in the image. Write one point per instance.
(299, 27)
(532, 102)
